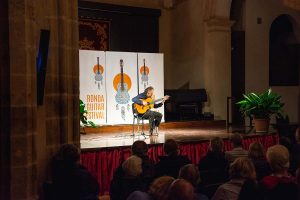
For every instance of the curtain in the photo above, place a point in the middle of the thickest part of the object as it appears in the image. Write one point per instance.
(102, 162)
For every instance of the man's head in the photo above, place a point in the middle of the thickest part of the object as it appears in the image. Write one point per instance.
(139, 148)
(236, 140)
(171, 147)
(149, 91)
(69, 154)
(216, 144)
(278, 158)
(181, 189)
(190, 173)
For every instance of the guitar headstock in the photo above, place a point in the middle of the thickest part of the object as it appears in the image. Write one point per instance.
(166, 97)
(121, 62)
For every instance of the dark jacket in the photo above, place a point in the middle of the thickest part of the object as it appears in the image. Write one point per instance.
(170, 165)
(262, 168)
(143, 96)
(278, 188)
(213, 168)
(73, 182)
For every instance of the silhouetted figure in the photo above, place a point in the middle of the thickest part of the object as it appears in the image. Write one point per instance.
(257, 155)
(70, 179)
(170, 165)
(213, 167)
(237, 151)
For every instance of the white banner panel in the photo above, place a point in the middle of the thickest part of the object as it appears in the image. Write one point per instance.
(92, 84)
(121, 86)
(151, 73)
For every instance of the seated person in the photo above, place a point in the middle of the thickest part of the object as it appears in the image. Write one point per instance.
(181, 189)
(213, 166)
(257, 155)
(170, 165)
(140, 149)
(158, 190)
(237, 151)
(240, 171)
(131, 181)
(191, 174)
(70, 179)
(280, 184)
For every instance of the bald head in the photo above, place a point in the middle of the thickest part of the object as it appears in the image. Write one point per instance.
(181, 189)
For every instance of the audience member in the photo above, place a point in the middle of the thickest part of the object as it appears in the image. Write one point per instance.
(70, 179)
(213, 166)
(257, 155)
(249, 191)
(191, 174)
(140, 149)
(169, 165)
(240, 170)
(131, 181)
(237, 151)
(158, 190)
(280, 184)
(181, 189)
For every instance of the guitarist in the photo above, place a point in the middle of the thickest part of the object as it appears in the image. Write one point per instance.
(153, 116)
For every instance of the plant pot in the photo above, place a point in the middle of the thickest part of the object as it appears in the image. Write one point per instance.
(261, 125)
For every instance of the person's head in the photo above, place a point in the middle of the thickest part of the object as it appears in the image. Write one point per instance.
(132, 166)
(256, 151)
(149, 91)
(216, 144)
(69, 154)
(236, 140)
(159, 188)
(190, 173)
(242, 168)
(297, 135)
(181, 189)
(171, 147)
(139, 148)
(278, 158)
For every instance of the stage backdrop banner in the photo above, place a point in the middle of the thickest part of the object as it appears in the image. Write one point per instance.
(93, 84)
(151, 73)
(121, 86)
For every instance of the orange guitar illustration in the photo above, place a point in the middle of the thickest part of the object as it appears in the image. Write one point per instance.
(122, 84)
(144, 71)
(98, 70)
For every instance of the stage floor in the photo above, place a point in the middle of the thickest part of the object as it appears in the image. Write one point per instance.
(181, 134)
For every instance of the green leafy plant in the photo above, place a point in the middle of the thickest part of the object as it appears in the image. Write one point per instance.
(261, 106)
(83, 113)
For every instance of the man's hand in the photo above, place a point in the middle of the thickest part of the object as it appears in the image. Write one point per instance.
(145, 103)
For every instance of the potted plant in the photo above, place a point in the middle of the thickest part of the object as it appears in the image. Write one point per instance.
(261, 107)
(83, 118)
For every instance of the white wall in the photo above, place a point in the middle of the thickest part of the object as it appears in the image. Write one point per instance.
(257, 51)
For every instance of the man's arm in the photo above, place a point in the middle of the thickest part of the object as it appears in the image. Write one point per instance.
(137, 99)
(158, 105)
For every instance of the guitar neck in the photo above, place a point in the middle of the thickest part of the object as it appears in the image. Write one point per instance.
(156, 100)
(122, 75)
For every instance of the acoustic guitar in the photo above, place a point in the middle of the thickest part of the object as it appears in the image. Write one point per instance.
(142, 109)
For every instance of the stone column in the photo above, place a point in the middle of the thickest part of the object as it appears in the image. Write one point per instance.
(217, 65)
(30, 134)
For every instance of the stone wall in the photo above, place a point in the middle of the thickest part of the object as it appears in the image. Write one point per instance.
(30, 134)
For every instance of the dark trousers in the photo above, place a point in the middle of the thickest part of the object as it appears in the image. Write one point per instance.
(153, 117)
